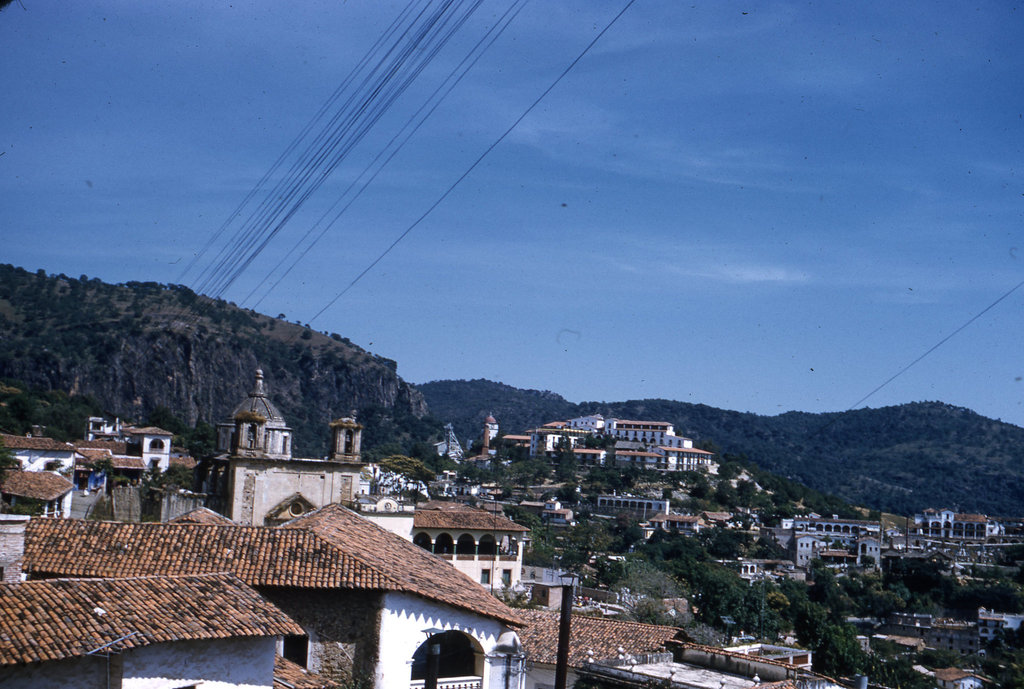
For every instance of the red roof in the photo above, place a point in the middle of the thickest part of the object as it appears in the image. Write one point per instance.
(67, 618)
(38, 485)
(330, 548)
(23, 442)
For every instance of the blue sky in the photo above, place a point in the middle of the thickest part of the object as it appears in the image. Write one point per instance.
(762, 207)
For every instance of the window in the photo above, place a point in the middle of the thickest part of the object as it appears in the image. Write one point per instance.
(506, 577)
(485, 577)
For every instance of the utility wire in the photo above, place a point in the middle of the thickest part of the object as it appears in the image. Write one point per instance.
(944, 340)
(412, 125)
(473, 166)
(938, 344)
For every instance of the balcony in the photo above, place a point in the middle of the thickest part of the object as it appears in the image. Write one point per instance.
(468, 682)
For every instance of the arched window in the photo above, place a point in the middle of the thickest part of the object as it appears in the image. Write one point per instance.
(466, 545)
(423, 540)
(486, 546)
(444, 545)
(156, 445)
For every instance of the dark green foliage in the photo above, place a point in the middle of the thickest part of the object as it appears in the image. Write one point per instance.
(896, 459)
(143, 348)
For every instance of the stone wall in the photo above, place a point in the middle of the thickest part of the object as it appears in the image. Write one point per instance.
(12, 546)
(343, 629)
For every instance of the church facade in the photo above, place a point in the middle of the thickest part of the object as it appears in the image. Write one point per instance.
(266, 485)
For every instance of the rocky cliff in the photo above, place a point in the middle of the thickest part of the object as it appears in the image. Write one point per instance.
(138, 346)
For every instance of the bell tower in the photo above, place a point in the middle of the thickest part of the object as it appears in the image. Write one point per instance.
(346, 439)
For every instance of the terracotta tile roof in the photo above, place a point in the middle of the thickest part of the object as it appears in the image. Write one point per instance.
(202, 515)
(603, 636)
(127, 462)
(187, 462)
(950, 674)
(58, 618)
(22, 442)
(148, 430)
(289, 675)
(89, 455)
(677, 518)
(117, 447)
(122, 461)
(463, 517)
(976, 518)
(330, 548)
(410, 568)
(690, 450)
(39, 485)
(256, 555)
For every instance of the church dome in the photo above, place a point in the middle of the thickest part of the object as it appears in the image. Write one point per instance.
(257, 404)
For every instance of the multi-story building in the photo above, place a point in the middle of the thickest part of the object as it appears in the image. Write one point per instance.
(834, 529)
(652, 444)
(947, 525)
(484, 545)
(953, 635)
(991, 622)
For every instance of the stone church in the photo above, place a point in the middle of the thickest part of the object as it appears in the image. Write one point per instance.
(265, 485)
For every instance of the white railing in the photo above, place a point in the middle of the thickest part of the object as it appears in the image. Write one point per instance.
(468, 682)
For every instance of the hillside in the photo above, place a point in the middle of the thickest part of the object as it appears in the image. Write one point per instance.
(139, 346)
(897, 459)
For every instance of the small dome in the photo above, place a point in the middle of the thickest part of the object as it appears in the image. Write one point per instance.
(257, 403)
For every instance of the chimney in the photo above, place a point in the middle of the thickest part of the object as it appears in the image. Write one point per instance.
(37, 431)
(12, 546)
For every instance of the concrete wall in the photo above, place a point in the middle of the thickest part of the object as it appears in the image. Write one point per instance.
(245, 663)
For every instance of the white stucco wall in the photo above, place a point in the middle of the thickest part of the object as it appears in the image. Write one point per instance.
(246, 663)
(219, 664)
(403, 621)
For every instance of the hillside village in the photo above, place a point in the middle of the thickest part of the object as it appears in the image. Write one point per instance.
(450, 568)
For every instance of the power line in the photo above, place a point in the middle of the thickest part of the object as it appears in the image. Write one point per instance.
(473, 165)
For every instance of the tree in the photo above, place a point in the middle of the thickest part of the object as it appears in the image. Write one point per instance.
(838, 652)
(8, 462)
(413, 470)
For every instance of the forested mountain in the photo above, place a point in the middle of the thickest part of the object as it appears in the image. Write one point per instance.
(897, 459)
(139, 346)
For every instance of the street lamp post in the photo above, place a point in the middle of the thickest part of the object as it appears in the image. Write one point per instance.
(562, 659)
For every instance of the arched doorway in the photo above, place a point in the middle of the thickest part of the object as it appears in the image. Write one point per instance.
(457, 657)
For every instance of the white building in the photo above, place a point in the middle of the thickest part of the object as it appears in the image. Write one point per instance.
(485, 546)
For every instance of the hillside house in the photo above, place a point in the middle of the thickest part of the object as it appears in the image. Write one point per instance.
(368, 601)
(44, 493)
(946, 525)
(38, 453)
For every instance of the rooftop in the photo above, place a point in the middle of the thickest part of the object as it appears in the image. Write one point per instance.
(600, 635)
(330, 548)
(66, 618)
(38, 485)
(463, 517)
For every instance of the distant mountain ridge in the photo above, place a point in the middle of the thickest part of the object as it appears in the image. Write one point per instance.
(141, 345)
(899, 459)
